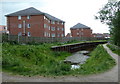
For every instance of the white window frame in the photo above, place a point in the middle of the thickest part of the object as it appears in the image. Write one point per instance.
(28, 25)
(53, 35)
(19, 17)
(58, 35)
(77, 33)
(28, 34)
(28, 17)
(45, 25)
(52, 28)
(19, 25)
(48, 21)
(62, 35)
(49, 27)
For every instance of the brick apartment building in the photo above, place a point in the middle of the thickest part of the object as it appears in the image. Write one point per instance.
(32, 22)
(80, 30)
(101, 35)
(3, 29)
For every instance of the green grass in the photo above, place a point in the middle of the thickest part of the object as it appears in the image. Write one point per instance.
(41, 60)
(99, 61)
(115, 50)
(33, 60)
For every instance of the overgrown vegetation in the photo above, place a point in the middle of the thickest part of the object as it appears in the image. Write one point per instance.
(114, 48)
(40, 60)
(33, 60)
(110, 15)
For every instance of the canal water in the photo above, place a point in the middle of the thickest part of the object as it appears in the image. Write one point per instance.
(79, 57)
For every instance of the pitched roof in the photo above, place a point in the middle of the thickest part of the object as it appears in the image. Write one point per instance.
(79, 25)
(33, 11)
(52, 17)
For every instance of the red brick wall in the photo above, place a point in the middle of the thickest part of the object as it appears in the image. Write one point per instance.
(60, 26)
(37, 26)
(36, 22)
(81, 32)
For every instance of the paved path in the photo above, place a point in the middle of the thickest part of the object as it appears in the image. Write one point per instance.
(108, 76)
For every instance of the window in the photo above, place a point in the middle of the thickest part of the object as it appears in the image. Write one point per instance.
(19, 26)
(4, 28)
(62, 35)
(49, 27)
(53, 35)
(52, 22)
(62, 29)
(62, 23)
(29, 34)
(44, 17)
(48, 21)
(19, 34)
(19, 17)
(45, 25)
(81, 29)
(53, 28)
(58, 35)
(45, 34)
(28, 17)
(28, 25)
(49, 34)
(58, 28)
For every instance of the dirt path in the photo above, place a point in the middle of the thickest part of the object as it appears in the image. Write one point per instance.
(109, 76)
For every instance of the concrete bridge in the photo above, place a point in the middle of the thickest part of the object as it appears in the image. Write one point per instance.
(76, 47)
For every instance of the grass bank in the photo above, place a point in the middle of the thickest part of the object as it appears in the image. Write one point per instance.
(99, 61)
(33, 60)
(40, 60)
(114, 48)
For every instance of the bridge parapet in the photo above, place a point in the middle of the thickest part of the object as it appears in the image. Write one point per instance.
(76, 47)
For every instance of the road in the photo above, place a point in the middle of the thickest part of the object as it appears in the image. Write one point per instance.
(108, 76)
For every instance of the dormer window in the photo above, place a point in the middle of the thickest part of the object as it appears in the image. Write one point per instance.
(28, 17)
(19, 17)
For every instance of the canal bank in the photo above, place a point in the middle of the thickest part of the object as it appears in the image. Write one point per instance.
(108, 76)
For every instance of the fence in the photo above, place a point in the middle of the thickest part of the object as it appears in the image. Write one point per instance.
(25, 39)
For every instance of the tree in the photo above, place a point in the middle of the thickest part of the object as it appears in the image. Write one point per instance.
(110, 15)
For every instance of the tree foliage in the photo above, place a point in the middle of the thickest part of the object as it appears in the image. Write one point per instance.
(110, 15)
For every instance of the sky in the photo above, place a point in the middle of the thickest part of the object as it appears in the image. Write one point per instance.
(70, 11)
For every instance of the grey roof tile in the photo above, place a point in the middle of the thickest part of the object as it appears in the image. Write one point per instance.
(79, 25)
(28, 11)
(33, 11)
